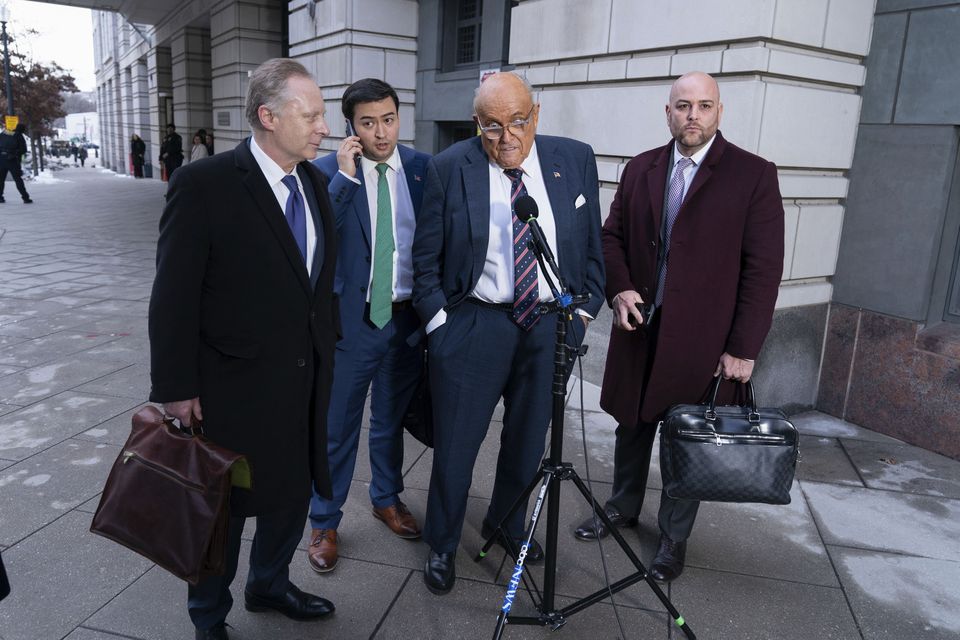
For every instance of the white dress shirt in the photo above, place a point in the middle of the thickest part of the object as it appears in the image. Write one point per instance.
(274, 175)
(692, 169)
(496, 283)
(404, 223)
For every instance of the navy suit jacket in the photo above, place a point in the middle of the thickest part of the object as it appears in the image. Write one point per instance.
(450, 246)
(352, 213)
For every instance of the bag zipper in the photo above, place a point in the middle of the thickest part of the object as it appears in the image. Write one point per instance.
(132, 455)
(753, 438)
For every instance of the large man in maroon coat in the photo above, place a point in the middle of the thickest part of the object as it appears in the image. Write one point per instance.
(696, 228)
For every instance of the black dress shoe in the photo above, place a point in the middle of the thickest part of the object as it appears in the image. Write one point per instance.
(440, 572)
(668, 563)
(294, 604)
(534, 551)
(216, 632)
(586, 530)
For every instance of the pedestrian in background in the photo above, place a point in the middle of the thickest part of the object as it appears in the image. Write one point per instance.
(13, 146)
(138, 151)
(199, 149)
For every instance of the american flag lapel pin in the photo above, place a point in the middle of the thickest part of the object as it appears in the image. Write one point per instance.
(556, 174)
(416, 177)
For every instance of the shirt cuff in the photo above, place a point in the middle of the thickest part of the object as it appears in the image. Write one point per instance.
(436, 321)
(351, 178)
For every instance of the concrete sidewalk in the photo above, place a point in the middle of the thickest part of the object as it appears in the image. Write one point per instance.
(869, 547)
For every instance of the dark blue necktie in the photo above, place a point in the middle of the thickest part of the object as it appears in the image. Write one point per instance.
(296, 215)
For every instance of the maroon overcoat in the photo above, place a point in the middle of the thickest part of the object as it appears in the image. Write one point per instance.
(726, 259)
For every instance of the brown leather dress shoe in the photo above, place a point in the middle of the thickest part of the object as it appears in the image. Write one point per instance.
(322, 552)
(399, 519)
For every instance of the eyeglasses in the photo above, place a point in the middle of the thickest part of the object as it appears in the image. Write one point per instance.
(494, 131)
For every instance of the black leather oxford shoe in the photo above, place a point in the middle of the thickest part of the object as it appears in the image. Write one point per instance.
(294, 604)
(586, 530)
(440, 572)
(534, 551)
(668, 563)
(216, 632)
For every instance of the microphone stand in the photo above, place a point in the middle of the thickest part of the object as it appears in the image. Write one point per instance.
(551, 470)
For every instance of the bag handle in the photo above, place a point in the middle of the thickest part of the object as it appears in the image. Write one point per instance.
(174, 423)
(753, 416)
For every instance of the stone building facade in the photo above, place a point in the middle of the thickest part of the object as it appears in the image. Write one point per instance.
(831, 92)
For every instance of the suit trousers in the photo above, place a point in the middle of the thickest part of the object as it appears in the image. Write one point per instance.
(274, 543)
(631, 467)
(17, 173)
(379, 360)
(476, 357)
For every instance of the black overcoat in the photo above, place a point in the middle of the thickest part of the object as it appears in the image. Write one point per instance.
(236, 321)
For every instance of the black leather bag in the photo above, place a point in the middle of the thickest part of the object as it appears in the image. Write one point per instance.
(168, 494)
(728, 453)
(418, 419)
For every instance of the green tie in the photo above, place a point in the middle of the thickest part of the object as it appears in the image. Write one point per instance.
(381, 290)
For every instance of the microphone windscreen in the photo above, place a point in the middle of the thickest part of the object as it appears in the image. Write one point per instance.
(525, 208)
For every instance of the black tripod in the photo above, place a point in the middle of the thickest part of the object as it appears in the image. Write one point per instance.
(552, 470)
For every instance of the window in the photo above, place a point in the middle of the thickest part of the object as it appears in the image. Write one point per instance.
(469, 26)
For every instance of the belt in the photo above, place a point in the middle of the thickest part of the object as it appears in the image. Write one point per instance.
(402, 305)
(499, 306)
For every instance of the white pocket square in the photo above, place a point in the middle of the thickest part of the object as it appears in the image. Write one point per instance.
(580, 201)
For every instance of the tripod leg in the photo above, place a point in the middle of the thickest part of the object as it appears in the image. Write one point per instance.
(657, 591)
(515, 577)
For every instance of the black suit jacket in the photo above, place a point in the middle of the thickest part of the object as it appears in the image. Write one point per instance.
(236, 320)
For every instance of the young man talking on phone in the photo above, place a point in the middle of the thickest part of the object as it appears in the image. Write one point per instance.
(376, 187)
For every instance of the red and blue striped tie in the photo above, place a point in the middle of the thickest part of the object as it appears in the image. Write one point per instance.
(526, 283)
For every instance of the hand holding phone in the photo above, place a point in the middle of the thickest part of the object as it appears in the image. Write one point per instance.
(646, 313)
(350, 134)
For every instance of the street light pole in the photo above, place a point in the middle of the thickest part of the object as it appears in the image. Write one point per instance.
(4, 15)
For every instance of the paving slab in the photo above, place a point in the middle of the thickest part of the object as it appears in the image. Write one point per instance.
(36, 351)
(886, 521)
(60, 576)
(137, 309)
(815, 423)
(824, 459)
(6, 369)
(130, 382)
(900, 467)
(125, 349)
(36, 327)
(116, 430)
(84, 633)
(154, 608)
(36, 383)
(44, 487)
(31, 429)
(772, 541)
(724, 605)
(896, 597)
(471, 610)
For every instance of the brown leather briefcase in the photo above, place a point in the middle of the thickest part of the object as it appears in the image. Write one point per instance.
(168, 497)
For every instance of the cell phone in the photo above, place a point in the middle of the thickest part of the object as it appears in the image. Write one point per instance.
(351, 133)
(646, 313)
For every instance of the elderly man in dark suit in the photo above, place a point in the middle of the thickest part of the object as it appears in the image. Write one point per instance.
(477, 287)
(696, 229)
(243, 325)
(376, 187)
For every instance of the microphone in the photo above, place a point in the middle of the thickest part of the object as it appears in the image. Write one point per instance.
(527, 210)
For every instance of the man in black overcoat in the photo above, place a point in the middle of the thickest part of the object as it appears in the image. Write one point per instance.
(171, 151)
(243, 325)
